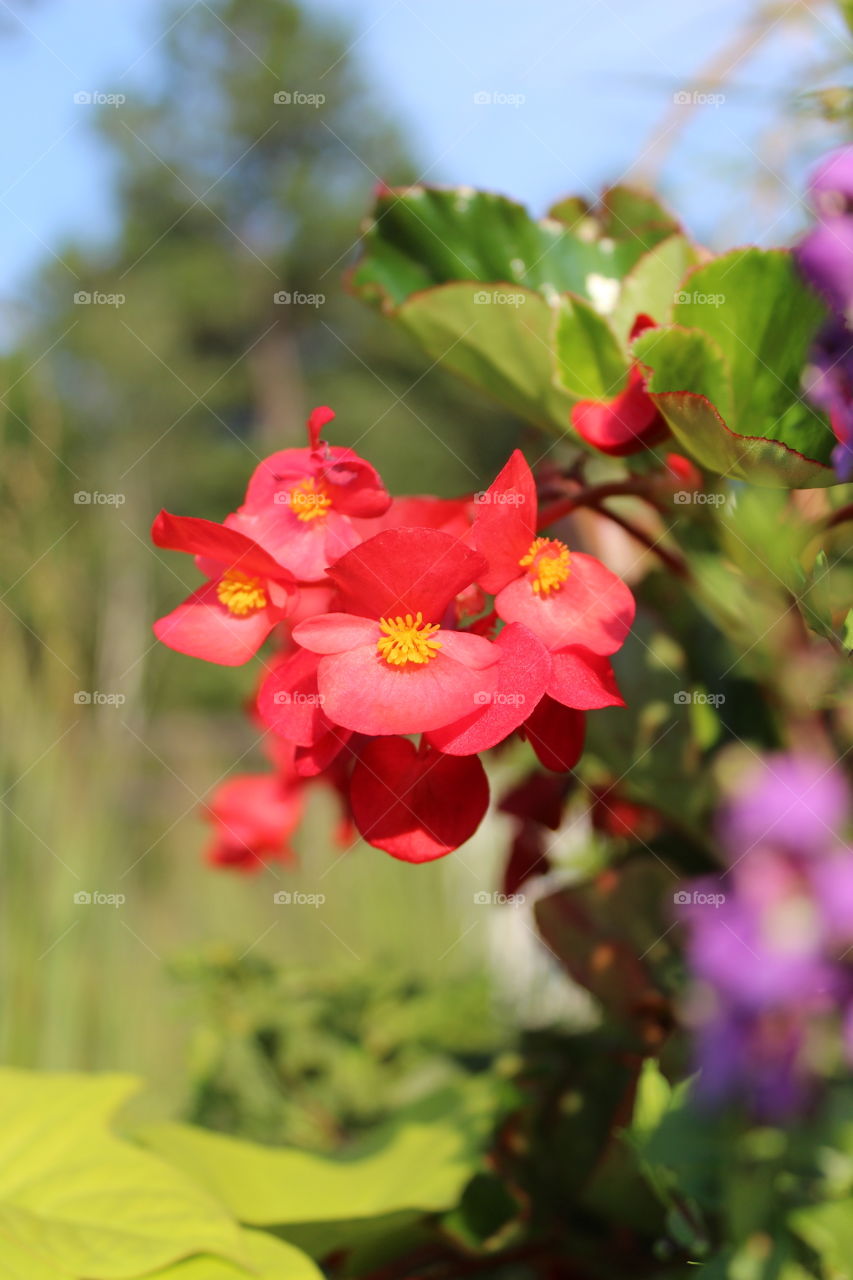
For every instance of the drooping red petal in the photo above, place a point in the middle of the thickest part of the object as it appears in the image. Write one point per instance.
(203, 628)
(336, 632)
(592, 608)
(583, 680)
(556, 734)
(405, 571)
(416, 805)
(363, 693)
(631, 421)
(505, 522)
(522, 672)
(217, 542)
(289, 701)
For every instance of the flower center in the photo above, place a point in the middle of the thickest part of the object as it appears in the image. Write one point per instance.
(547, 565)
(310, 499)
(241, 594)
(408, 639)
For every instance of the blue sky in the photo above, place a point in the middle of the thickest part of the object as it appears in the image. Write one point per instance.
(578, 90)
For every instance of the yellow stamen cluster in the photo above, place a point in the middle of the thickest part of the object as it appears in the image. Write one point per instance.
(310, 499)
(407, 640)
(547, 564)
(241, 594)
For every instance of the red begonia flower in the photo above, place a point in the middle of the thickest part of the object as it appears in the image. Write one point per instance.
(301, 503)
(227, 620)
(416, 804)
(577, 608)
(390, 665)
(253, 816)
(629, 421)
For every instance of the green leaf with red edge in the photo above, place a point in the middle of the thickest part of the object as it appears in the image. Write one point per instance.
(727, 374)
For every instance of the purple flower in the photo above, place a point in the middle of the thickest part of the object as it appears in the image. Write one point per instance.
(825, 258)
(766, 942)
(792, 802)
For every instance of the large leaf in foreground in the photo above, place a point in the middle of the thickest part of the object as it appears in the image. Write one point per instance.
(421, 1166)
(82, 1201)
(266, 1259)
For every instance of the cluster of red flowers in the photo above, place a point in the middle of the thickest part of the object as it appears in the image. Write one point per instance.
(454, 620)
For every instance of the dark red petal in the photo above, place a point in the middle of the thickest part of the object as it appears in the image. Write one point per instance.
(404, 571)
(203, 628)
(540, 797)
(522, 673)
(527, 857)
(556, 734)
(584, 680)
(505, 522)
(216, 542)
(416, 805)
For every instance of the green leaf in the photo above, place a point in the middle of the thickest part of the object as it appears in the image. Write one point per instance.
(504, 349)
(420, 237)
(421, 1166)
(267, 1258)
(590, 364)
(828, 1229)
(650, 287)
(82, 1200)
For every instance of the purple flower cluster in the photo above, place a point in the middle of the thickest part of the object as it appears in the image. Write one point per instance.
(767, 942)
(825, 257)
